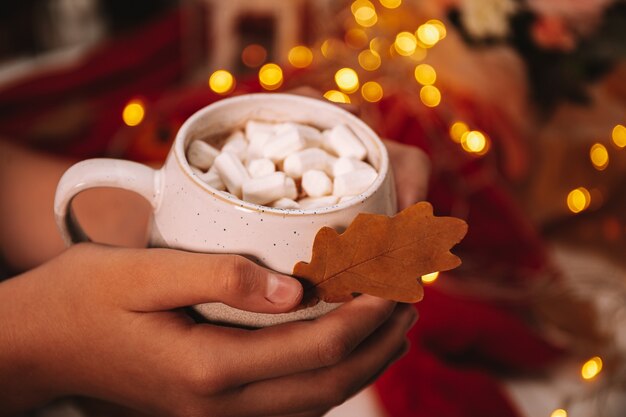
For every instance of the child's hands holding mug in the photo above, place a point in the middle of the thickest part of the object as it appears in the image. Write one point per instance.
(102, 322)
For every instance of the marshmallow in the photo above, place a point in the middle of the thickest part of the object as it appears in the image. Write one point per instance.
(285, 203)
(330, 163)
(291, 189)
(255, 149)
(342, 142)
(231, 171)
(316, 183)
(236, 144)
(344, 165)
(201, 155)
(352, 183)
(317, 202)
(259, 131)
(311, 158)
(283, 163)
(264, 190)
(283, 144)
(212, 178)
(260, 167)
(311, 135)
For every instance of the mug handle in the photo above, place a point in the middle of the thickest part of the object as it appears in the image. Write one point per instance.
(101, 172)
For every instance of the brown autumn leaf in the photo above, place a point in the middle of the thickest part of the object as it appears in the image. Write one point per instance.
(381, 256)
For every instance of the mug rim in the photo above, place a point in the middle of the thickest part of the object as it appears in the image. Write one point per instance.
(181, 159)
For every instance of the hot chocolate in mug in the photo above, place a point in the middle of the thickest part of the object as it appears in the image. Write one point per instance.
(190, 215)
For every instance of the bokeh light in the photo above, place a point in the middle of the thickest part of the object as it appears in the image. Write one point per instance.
(327, 48)
(357, 4)
(222, 82)
(356, 38)
(425, 74)
(578, 199)
(405, 43)
(428, 34)
(377, 44)
(369, 60)
(591, 368)
(253, 55)
(336, 96)
(347, 80)
(300, 56)
(475, 142)
(391, 4)
(365, 15)
(271, 76)
(372, 91)
(430, 278)
(430, 96)
(134, 112)
(330, 48)
(457, 130)
(392, 50)
(619, 135)
(599, 156)
(441, 28)
(559, 412)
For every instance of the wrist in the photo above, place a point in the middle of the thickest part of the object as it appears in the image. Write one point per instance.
(24, 354)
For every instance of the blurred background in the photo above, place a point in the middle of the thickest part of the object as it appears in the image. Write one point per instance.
(521, 105)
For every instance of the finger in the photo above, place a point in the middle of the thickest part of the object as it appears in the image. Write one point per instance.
(164, 279)
(412, 178)
(328, 387)
(411, 169)
(248, 356)
(322, 412)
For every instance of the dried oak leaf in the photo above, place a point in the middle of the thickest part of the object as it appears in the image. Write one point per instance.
(380, 255)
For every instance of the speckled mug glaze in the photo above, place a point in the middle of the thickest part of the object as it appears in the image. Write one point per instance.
(190, 215)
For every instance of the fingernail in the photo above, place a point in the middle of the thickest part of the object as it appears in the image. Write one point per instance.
(282, 290)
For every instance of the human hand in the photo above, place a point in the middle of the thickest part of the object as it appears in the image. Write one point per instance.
(411, 171)
(29, 235)
(104, 322)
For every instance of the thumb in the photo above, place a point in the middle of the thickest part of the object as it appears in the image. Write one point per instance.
(170, 279)
(411, 170)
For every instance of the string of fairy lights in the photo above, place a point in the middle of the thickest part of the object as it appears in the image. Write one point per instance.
(579, 199)
(372, 49)
(371, 53)
(370, 58)
(588, 372)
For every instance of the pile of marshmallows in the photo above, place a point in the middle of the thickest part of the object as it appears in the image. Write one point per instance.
(285, 165)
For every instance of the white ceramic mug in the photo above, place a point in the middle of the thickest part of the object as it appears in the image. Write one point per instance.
(190, 215)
